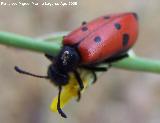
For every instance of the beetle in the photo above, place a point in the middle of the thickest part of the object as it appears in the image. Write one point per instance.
(103, 40)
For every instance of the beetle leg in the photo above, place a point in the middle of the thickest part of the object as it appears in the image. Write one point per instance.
(116, 58)
(95, 77)
(80, 82)
(49, 57)
(93, 68)
(79, 95)
(58, 104)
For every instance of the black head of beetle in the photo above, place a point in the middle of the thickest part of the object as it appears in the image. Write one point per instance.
(67, 61)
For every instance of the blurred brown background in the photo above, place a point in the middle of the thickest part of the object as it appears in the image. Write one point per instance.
(119, 96)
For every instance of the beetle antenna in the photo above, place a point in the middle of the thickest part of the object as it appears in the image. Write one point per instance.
(17, 69)
(58, 104)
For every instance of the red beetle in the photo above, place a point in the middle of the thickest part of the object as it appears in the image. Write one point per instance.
(103, 40)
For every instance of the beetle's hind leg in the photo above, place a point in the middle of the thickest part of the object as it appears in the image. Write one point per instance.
(94, 68)
(94, 77)
(116, 58)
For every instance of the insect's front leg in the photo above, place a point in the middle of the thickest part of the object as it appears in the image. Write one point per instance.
(49, 57)
(80, 82)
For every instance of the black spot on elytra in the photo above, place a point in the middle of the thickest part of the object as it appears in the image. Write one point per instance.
(125, 39)
(135, 15)
(84, 28)
(117, 25)
(84, 23)
(97, 39)
(106, 17)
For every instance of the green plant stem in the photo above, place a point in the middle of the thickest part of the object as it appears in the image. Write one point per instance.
(28, 43)
(52, 46)
(139, 64)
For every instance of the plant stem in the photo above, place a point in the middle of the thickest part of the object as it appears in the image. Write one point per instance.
(28, 43)
(139, 64)
(52, 46)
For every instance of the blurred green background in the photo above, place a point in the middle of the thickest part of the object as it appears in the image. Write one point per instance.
(119, 96)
